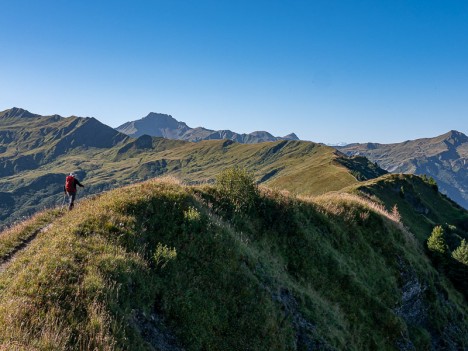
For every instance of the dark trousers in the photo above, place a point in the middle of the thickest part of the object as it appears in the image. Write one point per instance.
(71, 199)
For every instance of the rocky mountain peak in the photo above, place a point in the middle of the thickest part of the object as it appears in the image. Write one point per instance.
(17, 112)
(162, 120)
(291, 136)
(163, 125)
(455, 138)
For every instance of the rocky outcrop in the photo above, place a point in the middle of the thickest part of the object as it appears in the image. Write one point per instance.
(306, 335)
(415, 311)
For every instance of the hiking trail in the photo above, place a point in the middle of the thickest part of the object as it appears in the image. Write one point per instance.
(10, 256)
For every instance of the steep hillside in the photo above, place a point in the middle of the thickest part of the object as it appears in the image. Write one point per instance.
(28, 141)
(422, 209)
(162, 125)
(160, 266)
(419, 202)
(445, 158)
(300, 167)
(40, 151)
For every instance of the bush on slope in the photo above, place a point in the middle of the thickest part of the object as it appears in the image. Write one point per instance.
(288, 274)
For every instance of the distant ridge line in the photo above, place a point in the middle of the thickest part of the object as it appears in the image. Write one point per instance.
(164, 125)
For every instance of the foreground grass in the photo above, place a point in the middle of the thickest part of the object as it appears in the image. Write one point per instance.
(163, 264)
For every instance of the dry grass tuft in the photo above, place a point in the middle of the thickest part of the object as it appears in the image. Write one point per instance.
(333, 202)
(168, 179)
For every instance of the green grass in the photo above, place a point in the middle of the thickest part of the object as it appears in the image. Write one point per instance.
(13, 237)
(421, 206)
(297, 166)
(322, 272)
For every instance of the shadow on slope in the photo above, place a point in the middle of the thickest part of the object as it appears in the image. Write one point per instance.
(419, 203)
(163, 266)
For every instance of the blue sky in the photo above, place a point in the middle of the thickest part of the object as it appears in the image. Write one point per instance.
(330, 71)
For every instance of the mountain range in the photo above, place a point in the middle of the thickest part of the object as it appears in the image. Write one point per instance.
(162, 125)
(36, 152)
(444, 158)
(28, 141)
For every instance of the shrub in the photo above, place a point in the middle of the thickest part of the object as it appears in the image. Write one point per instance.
(164, 255)
(237, 186)
(193, 221)
(192, 214)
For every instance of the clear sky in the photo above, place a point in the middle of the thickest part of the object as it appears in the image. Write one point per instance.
(330, 71)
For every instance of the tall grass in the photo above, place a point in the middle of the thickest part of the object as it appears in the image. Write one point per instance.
(160, 262)
(334, 203)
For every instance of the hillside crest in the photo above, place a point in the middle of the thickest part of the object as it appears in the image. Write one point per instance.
(444, 157)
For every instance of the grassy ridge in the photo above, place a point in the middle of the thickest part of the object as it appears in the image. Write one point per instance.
(420, 205)
(199, 162)
(300, 167)
(163, 264)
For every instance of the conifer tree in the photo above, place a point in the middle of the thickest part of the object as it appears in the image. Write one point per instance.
(438, 248)
(461, 253)
(459, 267)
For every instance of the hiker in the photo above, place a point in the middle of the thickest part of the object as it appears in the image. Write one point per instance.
(70, 189)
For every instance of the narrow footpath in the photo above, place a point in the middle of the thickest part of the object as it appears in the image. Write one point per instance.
(10, 256)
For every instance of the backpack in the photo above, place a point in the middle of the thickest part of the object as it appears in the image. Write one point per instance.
(70, 184)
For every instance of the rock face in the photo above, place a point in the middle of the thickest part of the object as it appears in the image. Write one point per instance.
(445, 158)
(155, 124)
(162, 125)
(16, 112)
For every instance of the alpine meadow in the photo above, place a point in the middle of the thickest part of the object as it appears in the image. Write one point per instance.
(219, 245)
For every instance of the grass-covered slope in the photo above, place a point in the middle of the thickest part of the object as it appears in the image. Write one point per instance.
(160, 266)
(419, 203)
(15, 238)
(29, 141)
(40, 151)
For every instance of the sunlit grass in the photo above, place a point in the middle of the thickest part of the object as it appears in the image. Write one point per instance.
(14, 236)
(217, 278)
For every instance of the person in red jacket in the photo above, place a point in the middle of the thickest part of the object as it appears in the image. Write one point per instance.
(70, 189)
